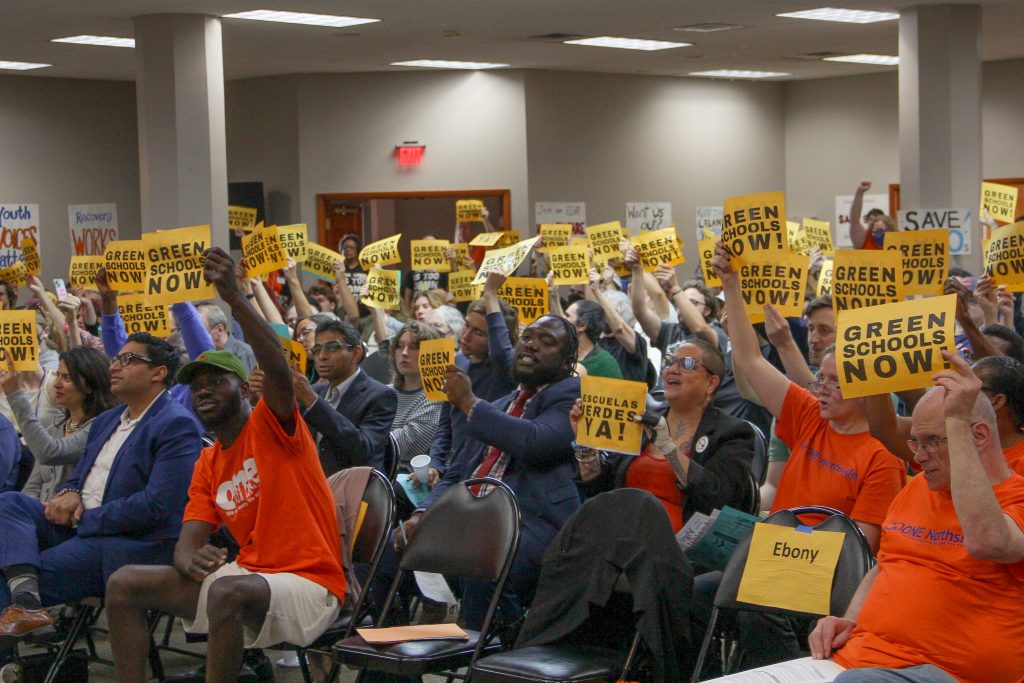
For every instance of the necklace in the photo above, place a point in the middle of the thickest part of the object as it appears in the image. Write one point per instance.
(71, 427)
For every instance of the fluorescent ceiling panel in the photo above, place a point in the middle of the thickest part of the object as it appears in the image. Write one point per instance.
(300, 18)
(850, 16)
(627, 43)
(22, 66)
(885, 60)
(448, 64)
(104, 41)
(734, 73)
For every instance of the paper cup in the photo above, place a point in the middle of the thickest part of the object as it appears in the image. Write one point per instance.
(421, 466)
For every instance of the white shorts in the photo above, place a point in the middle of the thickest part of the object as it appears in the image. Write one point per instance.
(300, 610)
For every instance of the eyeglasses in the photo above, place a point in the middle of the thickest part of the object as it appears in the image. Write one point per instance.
(331, 347)
(125, 359)
(929, 446)
(687, 363)
(302, 334)
(698, 302)
(816, 386)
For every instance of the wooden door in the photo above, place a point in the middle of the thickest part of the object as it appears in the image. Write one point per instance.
(343, 218)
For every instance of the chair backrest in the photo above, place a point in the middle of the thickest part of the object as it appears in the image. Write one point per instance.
(466, 535)
(391, 457)
(759, 462)
(751, 502)
(379, 497)
(855, 560)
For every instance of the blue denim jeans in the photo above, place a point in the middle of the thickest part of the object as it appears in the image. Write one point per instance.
(925, 673)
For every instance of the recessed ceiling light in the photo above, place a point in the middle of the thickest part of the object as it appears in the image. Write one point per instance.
(448, 64)
(22, 66)
(106, 41)
(851, 16)
(886, 60)
(300, 18)
(734, 73)
(627, 43)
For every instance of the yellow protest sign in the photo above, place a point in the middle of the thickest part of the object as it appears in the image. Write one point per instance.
(892, 347)
(16, 274)
(797, 238)
(462, 255)
(818, 234)
(604, 240)
(320, 261)
(925, 259)
(570, 265)
(30, 255)
(435, 357)
(293, 241)
(263, 251)
(773, 277)
(125, 263)
(295, 352)
(657, 247)
(528, 295)
(555, 235)
(461, 287)
(487, 239)
(1004, 256)
(241, 219)
(825, 277)
(609, 408)
(580, 241)
(505, 260)
(82, 271)
(790, 568)
(862, 278)
(430, 255)
(754, 222)
(509, 237)
(381, 253)
(18, 339)
(139, 316)
(999, 200)
(469, 211)
(174, 268)
(707, 253)
(382, 288)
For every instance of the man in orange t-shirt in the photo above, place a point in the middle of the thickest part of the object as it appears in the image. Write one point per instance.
(263, 481)
(944, 601)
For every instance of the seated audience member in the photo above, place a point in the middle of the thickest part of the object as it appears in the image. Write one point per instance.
(447, 321)
(523, 439)
(871, 233)
(627, 346)
(217, 325)
(698, 458)
(1006, 341)
(423, 303)
(943, 604)
(10, 456)
(122, 503)
(323, 299)
(263, 481)
(416, 417)
(82, 389)
(590, 323)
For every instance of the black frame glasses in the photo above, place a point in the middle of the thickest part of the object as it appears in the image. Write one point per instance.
(125, 359)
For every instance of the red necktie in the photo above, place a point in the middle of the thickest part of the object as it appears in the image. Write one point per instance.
(487, 464)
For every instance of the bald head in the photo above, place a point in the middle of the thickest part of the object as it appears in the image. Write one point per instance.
(931, 406)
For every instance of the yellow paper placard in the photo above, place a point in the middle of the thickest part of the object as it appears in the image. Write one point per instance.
(754, 222)
(16, 274)
(1004, 256)
(320, 261)
(30, 255)
(797, 238)
(435, 357)
(487, 239)
(604, 240)
(707, 253)
(461, 287)
(570, 265)
(999, 200)
(609, 408)
(18, 338)
(174, 268)
(773, 277)
(825, 277)
(580, 241)
(818, 234)
(430, 255)
(241, 219)
(505, 260)
(263, 251)
(892, 347)
(509, 237)
(657, 247)
(381, 253)
(382, 289)
(125, 262)
(462, 255)
(790, 569)
(293, 241)
(139, 316)
(528, 295)
(925, 259)
(82, 271)
(295, 353)
(862, 278)
(555, 235)
(469, 211)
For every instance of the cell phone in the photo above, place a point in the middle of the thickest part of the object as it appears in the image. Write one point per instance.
(60, 288)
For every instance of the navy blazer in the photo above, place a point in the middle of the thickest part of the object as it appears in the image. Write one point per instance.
(541, 468)
(357, 433)
(140, 518)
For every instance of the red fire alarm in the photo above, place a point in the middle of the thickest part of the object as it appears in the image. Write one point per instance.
(410, 153)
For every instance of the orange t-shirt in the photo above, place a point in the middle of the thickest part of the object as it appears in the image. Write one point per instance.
(852, 473)
(657, 477)
(932, 603)
(288, 525)
(1015, 457)
(869, 241)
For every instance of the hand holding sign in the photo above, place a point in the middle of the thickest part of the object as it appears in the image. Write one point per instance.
(722, 264)
(219, 271)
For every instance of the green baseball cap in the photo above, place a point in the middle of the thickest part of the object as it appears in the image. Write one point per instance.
(223, 360)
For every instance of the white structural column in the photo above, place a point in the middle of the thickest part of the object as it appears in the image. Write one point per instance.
(940, 110)
(180, 95)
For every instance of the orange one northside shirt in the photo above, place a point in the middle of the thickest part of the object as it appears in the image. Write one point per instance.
(852, 473)
(1015, 457)
(271, 492)
(932, 603)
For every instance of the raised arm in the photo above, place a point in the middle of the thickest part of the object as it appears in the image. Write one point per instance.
(625, 334)
(857, 230)
(888, 427)
(554, 300)
(981, 347)
(781, 337)
(649, 321)
(344, 293)
(688, 313)
(302, 307)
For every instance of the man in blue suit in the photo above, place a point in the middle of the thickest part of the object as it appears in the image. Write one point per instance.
(122, 504)
(523, 439)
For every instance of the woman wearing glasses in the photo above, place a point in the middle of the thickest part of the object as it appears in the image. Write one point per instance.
(696, 459)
